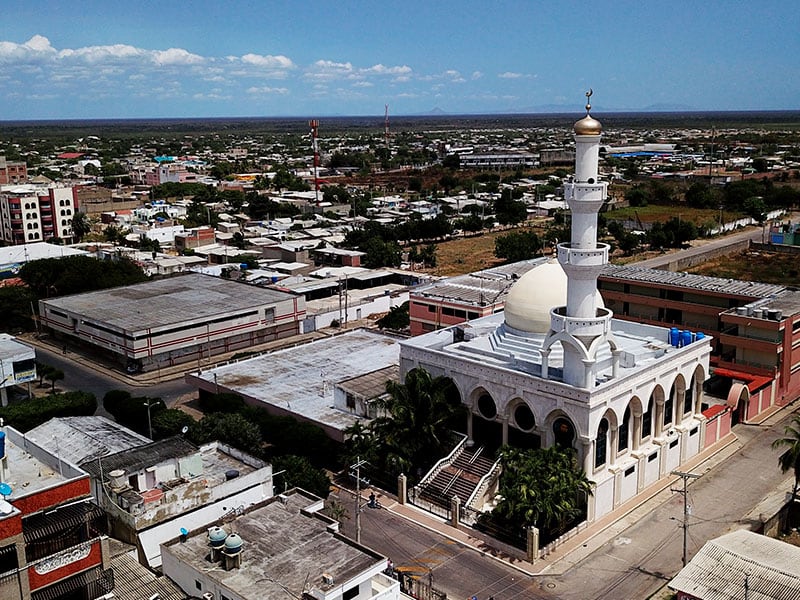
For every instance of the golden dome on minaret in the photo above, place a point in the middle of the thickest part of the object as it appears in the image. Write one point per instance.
(588, 125)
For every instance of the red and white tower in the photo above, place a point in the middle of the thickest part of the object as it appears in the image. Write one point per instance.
(314, 124)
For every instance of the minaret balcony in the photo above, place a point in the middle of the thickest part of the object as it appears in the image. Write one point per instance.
(583, 257)
(600, 325)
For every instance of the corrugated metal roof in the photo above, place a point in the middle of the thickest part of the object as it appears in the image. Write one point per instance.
(748, 289)
(142, 457)
(769, 568)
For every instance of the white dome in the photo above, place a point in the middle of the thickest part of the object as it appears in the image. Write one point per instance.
(530, 299)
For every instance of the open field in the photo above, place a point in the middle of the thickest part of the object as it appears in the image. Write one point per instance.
(465, 255)
(767, 267)
(662, 213)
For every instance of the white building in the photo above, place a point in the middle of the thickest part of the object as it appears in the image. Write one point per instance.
(556, 369)
(282, 548)
(17, 364)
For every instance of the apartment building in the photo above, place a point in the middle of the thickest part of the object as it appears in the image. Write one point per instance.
(34, 213)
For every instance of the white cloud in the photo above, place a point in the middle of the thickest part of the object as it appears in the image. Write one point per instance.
(266, 91)
(267, 61)
(383, 70)
(510, 75)
(176, 56)
(476, 75)
(35, 49)
(328, 69)
(363, 84)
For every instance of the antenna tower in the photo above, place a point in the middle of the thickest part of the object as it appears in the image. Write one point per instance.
(314, 124)
(386, 126)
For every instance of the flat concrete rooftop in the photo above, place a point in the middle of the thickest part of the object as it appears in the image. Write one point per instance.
(285, 549)
(300, 380)
(168, 301)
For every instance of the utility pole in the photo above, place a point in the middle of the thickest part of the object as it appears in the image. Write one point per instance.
(686, 477)
(357, 467)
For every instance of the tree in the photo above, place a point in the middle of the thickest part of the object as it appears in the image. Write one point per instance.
(543, 488)
(755, 209)
(397, 318)
(381, 254)
(637, 196)
(790, 459)
(299, 472)
(517, 245)
(81, 225)
(53, 376)
(49, 277)
(231, 429)
(420, 415)
(508, 210)
(169, 422)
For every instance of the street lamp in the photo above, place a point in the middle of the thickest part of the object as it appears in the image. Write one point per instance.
(148, 404)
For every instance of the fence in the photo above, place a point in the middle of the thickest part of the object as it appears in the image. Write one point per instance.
(430, 501)
(417, 587)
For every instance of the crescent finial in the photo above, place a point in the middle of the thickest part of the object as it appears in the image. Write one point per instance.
(588, 96)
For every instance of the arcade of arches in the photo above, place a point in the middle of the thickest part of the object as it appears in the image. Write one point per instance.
(493, 424)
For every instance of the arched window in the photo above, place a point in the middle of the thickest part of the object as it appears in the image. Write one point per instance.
(688, 398)
(669, 406)
(564, 433)
(30, 225)
(523, 417)
(30, 236)
(623, 431)
(647, 419)
(601, 444)
(486, 407)
(63, 212)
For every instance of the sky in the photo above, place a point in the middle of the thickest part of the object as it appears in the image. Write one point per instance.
(88, 59)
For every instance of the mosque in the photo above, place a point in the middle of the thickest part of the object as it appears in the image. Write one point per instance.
(555, 368)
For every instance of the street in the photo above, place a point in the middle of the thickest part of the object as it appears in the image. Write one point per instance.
(454, 568)
(644, 556)
(80, 376)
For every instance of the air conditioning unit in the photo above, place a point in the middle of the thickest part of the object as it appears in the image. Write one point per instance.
(208, 596)
(327, 578)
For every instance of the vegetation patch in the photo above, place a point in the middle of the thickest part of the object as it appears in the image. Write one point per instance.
(766, 267)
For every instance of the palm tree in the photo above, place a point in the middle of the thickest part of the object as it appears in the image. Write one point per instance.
(790, 459)
(421, 413)
(541, 488)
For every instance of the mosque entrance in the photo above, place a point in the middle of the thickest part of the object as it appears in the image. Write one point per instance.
(523, 439)
(488, 434)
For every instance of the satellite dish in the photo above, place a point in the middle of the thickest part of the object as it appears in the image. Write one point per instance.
(185, 429)
(5, 489)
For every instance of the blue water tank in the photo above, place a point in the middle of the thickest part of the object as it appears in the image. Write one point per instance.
(700, 335)
(242, 265)
(686, 338)
(674, 336)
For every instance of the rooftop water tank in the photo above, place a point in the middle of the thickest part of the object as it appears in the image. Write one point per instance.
(233, 544)
(216, 537)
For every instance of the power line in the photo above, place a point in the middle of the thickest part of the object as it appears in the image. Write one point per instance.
(686, 477)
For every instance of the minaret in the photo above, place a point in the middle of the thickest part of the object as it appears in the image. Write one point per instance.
(580, 326)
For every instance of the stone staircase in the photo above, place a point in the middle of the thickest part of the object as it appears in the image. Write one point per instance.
(458, 478)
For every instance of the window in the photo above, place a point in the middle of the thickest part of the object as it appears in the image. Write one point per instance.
(669, 405)
(652, 457)
(673, 443)
(350, 594)
(629, 471)
(622, 432)
(647, 420)
(688, 397)
(601, 444)
(198, 585)
(351, 400)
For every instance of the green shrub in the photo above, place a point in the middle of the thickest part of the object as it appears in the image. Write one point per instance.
(28, 414)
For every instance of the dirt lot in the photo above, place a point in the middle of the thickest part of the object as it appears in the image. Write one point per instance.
(767, 267)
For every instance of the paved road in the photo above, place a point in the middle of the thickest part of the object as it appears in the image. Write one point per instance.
(80, 376)
(456, 569)
(641, 558)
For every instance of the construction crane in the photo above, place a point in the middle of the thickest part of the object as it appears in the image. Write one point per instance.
(314, 124)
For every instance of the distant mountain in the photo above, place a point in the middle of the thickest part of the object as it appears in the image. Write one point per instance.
(432, 112)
